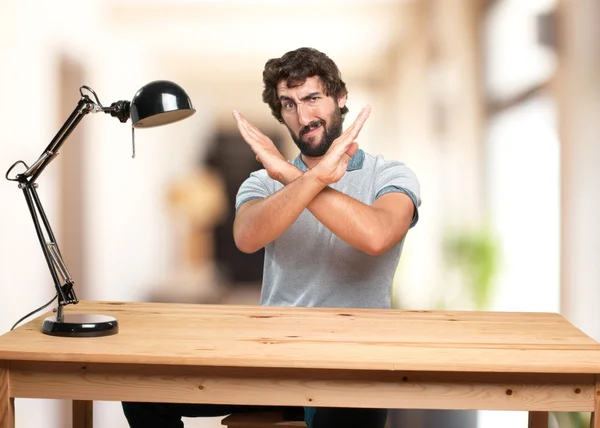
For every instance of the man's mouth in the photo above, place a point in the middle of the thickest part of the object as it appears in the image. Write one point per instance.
(313, 128)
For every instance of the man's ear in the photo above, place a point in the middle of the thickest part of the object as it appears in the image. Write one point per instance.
(342, 101)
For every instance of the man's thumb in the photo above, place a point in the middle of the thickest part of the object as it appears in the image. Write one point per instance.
(352, 148)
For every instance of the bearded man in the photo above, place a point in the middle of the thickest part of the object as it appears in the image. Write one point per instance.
(332, 222)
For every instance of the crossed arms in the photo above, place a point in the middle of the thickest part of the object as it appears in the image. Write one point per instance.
(373, 229)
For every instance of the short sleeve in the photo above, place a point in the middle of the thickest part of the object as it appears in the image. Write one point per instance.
(395, 176)
(252, 188)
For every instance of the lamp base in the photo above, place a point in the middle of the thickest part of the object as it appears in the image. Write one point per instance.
(81, 325)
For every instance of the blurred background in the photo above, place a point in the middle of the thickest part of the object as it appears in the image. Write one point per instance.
(493, 103)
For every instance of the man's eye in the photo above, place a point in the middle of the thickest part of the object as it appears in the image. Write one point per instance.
(289, 106)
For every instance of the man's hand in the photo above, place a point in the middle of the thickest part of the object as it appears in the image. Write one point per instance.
(332, 167)
(266, 152)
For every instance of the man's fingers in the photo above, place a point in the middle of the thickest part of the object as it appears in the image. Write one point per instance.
(249, 126)
(255, 132)
(350, 134)
(244, 131)
(360, 119)
(352, 149)
(239, 120)
(251, 130)
(359, 122)
(247, 134)
(253, 127)
(258, 142)
(242, 122)
(244, 126)
(349, 150)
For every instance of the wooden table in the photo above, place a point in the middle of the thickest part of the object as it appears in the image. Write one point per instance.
(536, 362)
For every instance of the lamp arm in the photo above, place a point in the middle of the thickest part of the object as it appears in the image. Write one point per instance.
(61, 277)
(84, 106)
(63, 283)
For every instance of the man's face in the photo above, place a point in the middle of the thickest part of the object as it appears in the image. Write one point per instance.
(313, 119)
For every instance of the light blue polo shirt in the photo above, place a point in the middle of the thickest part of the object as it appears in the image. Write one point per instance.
(309, 266)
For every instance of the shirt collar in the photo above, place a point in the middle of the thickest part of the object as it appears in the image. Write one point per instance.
(356, 162)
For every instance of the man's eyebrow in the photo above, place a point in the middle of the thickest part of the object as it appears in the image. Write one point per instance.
(304, 98)
(311, 95)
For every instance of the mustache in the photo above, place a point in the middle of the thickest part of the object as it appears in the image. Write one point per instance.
(312, 125)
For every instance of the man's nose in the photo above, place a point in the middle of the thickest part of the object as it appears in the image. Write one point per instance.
(304, 114)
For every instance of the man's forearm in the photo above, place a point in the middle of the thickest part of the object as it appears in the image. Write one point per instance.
(266, 220)
(360, 225)
(354, 222)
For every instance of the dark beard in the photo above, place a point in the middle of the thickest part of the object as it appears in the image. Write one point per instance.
(331, 132)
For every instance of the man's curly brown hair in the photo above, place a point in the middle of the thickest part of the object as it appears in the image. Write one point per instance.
(295, 67)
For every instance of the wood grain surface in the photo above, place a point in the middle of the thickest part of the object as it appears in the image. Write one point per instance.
(7, 409)
(302, 387)
(277, 337)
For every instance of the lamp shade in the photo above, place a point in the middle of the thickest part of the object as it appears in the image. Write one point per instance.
(159, 103)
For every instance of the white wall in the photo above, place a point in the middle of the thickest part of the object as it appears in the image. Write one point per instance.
(579, 91)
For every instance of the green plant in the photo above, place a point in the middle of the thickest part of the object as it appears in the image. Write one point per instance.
(572, 419)
(475, 254)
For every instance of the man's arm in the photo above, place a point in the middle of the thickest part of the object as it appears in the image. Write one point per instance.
(372, 229)
(260, 221)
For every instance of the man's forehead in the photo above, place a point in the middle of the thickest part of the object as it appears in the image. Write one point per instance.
(311, 84)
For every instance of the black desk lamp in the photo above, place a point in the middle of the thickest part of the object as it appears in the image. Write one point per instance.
(157, 103)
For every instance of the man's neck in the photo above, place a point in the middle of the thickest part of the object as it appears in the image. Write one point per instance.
(311, 162)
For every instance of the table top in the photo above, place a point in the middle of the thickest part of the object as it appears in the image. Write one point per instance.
(317, 338)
